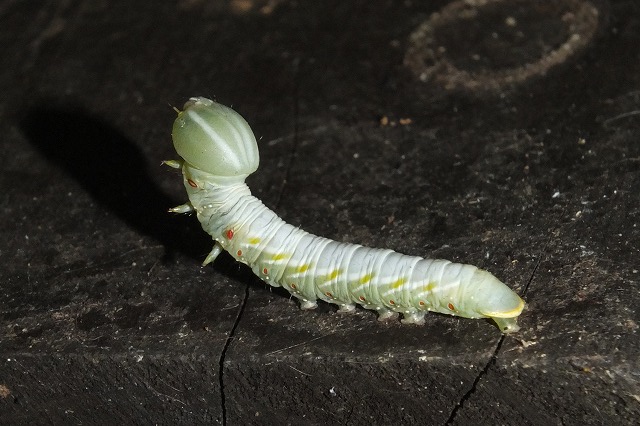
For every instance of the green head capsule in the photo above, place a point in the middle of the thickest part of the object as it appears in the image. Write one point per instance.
(215, 139)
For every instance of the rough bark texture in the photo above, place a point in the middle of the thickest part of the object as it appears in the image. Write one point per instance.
(512, 144)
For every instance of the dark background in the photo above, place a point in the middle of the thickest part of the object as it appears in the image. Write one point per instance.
(519, 153)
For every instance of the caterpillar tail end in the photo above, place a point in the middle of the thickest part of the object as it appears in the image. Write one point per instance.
(507, 325)
(507, 321)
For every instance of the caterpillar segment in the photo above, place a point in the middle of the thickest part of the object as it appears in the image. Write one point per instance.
(218, 151)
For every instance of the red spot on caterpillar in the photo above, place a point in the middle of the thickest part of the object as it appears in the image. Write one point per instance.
(451, 307)
(229, 233)
(264, 271)
(421, 303)
(192, 183)
(239, 252)
(391, 302)
(293, 286)
(362, 299)
(329, 294)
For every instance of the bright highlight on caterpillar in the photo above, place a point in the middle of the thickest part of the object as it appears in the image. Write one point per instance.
(218, 151)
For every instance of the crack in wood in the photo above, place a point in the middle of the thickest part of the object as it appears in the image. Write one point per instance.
(245, 299)
(223, 354)
(494, 357)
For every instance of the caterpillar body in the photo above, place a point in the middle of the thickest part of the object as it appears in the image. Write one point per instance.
(218, 151)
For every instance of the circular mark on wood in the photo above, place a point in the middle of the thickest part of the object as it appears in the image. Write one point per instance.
(487, 44)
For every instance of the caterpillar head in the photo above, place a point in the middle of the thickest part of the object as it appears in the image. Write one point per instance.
(493, 299)
(216, 140)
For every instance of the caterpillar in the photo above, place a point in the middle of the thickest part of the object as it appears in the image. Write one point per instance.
(218, 151)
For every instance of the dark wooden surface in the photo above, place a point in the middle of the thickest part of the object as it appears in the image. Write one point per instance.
(107, 317)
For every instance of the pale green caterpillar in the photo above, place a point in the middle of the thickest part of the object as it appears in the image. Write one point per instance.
(219, 151)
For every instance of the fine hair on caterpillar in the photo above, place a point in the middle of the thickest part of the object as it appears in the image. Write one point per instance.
(218, 151)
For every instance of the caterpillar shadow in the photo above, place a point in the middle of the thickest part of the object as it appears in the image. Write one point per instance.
(114, 172)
